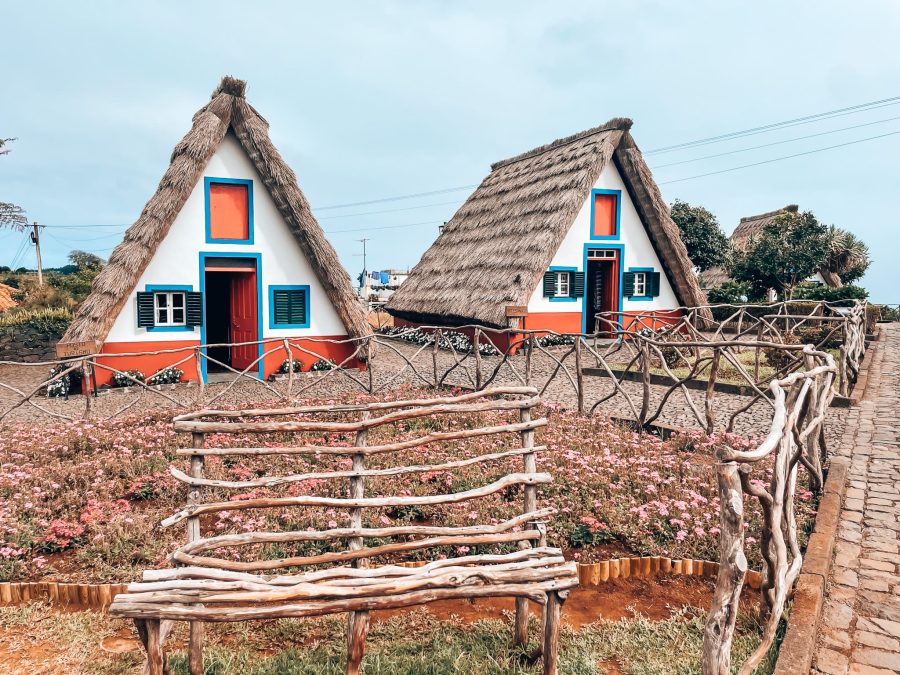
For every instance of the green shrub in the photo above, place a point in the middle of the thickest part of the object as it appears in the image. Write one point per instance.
(780, 358)
(52, 321)
(829, 294)
(322, 364)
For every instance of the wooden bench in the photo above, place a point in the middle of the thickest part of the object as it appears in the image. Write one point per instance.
(513, 559)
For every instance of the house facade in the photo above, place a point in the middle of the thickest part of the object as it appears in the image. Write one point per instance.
(552, 238)
(227, 255)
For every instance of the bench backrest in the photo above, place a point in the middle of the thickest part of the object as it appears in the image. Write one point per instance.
(348, 435)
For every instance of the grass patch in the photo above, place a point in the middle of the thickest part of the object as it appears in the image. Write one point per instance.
(413, 643)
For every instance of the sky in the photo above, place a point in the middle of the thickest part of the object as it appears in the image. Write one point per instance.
(368, 101)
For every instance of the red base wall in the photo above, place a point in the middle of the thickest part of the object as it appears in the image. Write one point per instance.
(122, 356)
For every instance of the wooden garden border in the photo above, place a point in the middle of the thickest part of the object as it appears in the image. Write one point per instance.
(97, 597)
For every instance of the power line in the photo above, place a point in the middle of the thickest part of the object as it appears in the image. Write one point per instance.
(778, 159)
(70, 227)
(767, 145)
(405, 208)
(385, 227)
(894, 100)
(398, 198)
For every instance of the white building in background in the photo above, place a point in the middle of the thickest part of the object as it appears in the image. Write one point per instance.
(379, 286)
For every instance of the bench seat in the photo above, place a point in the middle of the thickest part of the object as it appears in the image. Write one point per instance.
(212, 594)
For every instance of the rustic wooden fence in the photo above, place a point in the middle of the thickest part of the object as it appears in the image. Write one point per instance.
(638, 366)
(627, 358)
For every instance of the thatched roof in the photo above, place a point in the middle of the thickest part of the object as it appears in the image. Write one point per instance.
(6, 298)
(494, 250)
(747, 229)
(228, 110)
(751, 226)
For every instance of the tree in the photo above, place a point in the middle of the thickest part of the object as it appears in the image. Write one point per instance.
(706, 244)
(788, 250)
(85, 262)
(847, 258)
(11, 216)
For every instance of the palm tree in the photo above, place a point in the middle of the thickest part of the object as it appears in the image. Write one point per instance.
(847, 258)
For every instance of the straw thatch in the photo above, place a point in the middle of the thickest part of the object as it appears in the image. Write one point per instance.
(6, 298)
(228, 110)
(743, 235)
(494, 250)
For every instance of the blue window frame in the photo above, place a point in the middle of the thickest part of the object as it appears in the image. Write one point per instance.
(169, 288)
(211, 180)
(570, 271)
(605, 237)
(645, 280)
(304, 290)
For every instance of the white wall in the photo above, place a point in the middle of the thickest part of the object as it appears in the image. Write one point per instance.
(638, 252)
(177, 261)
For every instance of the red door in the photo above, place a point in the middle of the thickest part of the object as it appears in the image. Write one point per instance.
(244, 324)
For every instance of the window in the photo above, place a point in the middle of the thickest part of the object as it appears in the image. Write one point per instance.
(563, 283)
(563, 280)
(640, 284)
(229, 210)
(169, 309)
(289, 306)
(605, 214)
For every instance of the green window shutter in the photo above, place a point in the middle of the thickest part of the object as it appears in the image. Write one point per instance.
(628, 284)
(578, 285)
(290, 307)
(653, 281)
(145, 310)
(549, 284)
(194, 304)
(297, 307)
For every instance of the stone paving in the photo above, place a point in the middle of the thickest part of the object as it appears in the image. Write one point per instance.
(860, 627)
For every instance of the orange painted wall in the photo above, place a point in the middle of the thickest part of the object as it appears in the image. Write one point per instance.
(604, 215)
(229, 215)
(325, 350)
(558, 322)
(150, 364)
(147, 364)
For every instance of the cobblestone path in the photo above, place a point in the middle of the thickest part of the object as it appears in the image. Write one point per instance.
(860, 628)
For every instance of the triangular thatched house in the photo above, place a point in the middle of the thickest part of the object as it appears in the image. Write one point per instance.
(557, 234)
(749, 228)
(226, 251)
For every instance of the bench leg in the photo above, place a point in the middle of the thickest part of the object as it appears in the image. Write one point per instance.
(357, 629)
(149, 633)
(552, 611)
(195, 648)
(520, 633)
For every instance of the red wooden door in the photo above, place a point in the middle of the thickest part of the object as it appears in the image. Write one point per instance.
(244, 324)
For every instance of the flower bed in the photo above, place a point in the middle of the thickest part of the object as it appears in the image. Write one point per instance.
(82, 500)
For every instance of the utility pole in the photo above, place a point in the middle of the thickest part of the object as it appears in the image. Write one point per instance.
(36, 240)
(365, 269)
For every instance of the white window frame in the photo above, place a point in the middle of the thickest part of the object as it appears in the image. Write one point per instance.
(562, 284)
(164, 313)
(640, 284)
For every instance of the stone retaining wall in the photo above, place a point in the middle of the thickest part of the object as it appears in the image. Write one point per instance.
(27, 344)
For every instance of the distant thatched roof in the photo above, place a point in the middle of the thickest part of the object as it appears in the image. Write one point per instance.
(751, 226)
(6, 297)
(498, 244)
(227, 110)
(747, 229)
